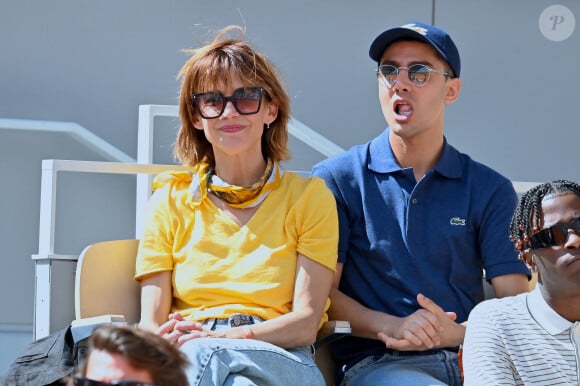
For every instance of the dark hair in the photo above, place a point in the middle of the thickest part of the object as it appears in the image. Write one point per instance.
(143, 350)
(527, 218)
(212, 65)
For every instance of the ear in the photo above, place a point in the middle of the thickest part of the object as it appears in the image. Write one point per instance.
(272, 113)
(196, 123)
(453, 90)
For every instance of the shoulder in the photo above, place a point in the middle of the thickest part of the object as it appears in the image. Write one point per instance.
(343, 162)
(171, 179)
(344, 170)
(170, 187)
(504, 308)
(481, 171)
(485, 184)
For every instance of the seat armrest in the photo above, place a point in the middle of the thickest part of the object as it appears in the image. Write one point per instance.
(332, 331)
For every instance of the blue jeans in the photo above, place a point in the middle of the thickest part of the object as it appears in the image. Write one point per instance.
(244, 362)
(409, 369)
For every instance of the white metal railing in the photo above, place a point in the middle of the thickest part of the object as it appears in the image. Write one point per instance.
(75, 130)
(49, 267)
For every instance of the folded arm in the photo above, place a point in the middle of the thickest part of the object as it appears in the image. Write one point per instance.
(427, 328)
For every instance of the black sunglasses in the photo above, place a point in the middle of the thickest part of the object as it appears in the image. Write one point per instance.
(555, 235)
(82, 381)
(246, 101)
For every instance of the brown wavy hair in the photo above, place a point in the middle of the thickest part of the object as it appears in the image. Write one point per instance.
(144, 350)
(213, 65)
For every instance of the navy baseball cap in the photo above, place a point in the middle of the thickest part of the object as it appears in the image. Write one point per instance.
(435, 37)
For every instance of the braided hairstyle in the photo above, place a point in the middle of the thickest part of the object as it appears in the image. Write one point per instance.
(527, 217)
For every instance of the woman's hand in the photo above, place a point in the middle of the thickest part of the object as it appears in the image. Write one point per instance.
(177, 330)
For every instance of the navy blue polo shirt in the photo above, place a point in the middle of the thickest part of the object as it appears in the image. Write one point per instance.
(399, 237)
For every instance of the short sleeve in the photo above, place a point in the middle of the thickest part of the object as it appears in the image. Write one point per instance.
(155, 252)
(317, 223)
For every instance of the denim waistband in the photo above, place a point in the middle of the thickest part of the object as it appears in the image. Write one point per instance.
(425, 352)
(396, 353)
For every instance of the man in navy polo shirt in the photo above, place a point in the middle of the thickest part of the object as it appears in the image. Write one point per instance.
(418, 223)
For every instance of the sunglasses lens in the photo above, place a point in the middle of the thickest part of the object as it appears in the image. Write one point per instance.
(418, 73)
(559, 235)
(560, 231)
(210, 104)
(389, 74)
(247, 100)
(82, 381)
(542, 239)
(554, 235)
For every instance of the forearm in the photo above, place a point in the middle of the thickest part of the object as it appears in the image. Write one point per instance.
(364, 322)
(156, 295)
(290, 330)
(453, 336)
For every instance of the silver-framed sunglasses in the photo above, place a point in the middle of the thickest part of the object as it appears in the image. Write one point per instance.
(418, 74)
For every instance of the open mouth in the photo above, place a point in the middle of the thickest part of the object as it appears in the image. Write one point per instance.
(402, 108)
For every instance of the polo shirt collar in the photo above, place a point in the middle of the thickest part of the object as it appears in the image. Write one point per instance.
(382, 160)
(544, 315)
(380, 155)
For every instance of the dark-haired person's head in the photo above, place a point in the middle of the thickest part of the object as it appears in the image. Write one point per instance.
(545, 229)
(130, 357)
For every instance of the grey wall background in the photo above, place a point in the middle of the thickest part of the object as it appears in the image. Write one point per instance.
(95, 62)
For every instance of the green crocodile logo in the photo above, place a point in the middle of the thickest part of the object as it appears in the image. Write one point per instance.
(457, 221)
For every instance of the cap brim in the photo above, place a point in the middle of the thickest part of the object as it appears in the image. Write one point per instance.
(385, 39)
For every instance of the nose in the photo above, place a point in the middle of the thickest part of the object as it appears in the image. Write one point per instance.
(230, 110)
(573, 240)
(402, 83)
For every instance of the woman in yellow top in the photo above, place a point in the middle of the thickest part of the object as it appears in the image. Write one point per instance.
(237, 257)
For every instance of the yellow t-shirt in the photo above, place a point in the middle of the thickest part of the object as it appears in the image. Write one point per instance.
(219, 268)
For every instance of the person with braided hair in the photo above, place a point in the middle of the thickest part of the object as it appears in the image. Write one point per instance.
(534, 338)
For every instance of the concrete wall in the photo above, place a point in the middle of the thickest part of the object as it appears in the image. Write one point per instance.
(95, 62)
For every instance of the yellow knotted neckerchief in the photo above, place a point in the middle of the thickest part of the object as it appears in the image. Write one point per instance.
(205, 180)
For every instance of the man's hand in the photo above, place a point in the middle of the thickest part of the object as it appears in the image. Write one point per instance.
(427, 328)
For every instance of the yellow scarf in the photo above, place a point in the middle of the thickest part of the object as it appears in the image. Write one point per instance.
(205, 180)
